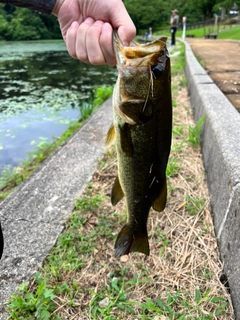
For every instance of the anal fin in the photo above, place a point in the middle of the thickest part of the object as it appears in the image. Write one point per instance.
(117, 192)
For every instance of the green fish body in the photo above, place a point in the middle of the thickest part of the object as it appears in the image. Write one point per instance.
(142, 127)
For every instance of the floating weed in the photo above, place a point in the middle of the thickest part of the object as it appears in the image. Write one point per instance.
(10, 178)
(194, 132)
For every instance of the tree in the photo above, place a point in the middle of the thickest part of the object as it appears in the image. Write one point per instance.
(204, 7)
(147, 14)
(24, 24)
(3, 23)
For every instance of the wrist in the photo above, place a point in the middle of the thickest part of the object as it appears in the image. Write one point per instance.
(57, 7)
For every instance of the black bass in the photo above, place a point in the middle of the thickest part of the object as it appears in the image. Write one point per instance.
(142, 126)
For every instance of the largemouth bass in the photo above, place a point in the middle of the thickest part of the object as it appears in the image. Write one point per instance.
(142, 126)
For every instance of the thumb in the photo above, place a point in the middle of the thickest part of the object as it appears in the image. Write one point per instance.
(126, 34)
(121, 21)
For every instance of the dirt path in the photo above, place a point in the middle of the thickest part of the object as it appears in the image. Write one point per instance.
(221, 60)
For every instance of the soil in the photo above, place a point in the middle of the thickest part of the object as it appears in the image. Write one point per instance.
(220, 59)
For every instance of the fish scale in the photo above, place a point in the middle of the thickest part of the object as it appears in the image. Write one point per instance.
(142, 126)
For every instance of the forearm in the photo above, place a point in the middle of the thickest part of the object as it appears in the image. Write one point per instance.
(44, 6)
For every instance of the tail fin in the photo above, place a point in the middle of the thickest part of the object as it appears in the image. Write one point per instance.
(127, 242)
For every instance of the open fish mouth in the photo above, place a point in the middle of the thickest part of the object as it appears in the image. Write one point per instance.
(140, 55)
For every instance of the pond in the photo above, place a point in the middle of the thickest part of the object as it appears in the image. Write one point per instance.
(41, 92)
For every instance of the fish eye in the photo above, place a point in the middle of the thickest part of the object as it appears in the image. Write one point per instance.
(157, 71)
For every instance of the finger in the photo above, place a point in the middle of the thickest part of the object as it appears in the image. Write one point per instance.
(121, 20)
(81, 40)
(93, 48)
(106, 44)
(70, 39)
(126, 35)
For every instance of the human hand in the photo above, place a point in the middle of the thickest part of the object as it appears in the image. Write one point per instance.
(87, 27)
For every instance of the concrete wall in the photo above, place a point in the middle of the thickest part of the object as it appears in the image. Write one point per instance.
(221, 157)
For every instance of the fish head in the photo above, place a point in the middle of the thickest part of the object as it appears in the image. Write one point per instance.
(143, 72)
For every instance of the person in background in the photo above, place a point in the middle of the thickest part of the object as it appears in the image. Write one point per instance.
(174, 25)
(86, 27)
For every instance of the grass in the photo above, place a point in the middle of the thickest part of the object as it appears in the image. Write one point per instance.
(233, 34)
(10, 178)
(194, 132)
(225, 32)
(81, 278)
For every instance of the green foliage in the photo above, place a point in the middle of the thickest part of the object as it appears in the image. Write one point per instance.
(147, 14)
(114, 297)
(233, 33)
(178, 62)
(6, 176)
(25, 24)
(195, 206)
(188, 311)
(205, 8)
(37, 305)
(194, 132)
(89, 203)
(101, 94)
(172, 167)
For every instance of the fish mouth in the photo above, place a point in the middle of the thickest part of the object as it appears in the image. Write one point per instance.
(139, 55)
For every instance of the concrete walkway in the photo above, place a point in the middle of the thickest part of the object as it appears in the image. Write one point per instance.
(33, 216)
(221, 157)
(221, 60)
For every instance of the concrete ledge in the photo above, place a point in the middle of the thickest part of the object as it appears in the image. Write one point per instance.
(33, 215)
(221, 157)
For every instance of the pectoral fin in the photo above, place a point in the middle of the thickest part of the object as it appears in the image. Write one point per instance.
(117, 193)
(110, 136)
(131, 111)
(160, 202)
